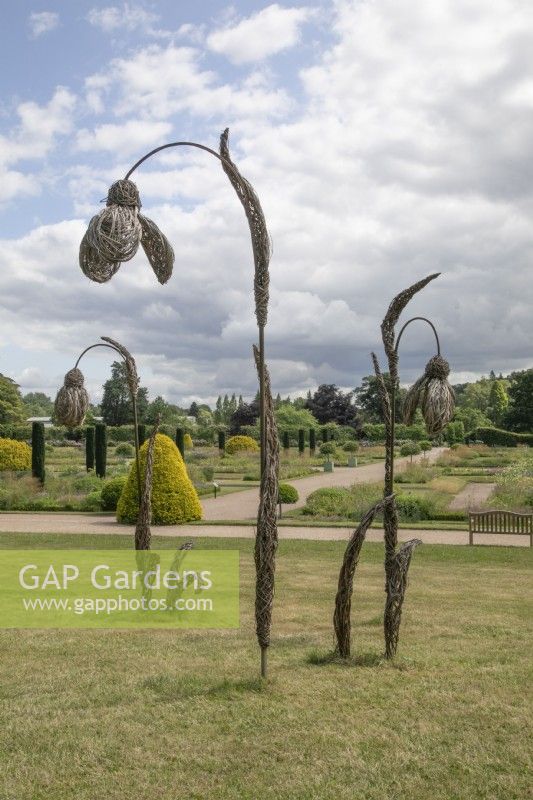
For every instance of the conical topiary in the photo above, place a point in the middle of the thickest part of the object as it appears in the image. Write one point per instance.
(174, 498)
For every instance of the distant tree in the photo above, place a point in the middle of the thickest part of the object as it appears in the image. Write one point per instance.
(519, 416)
(247, 414)
(476, 395)
(116, 405)
(330, 404)
(193, 410)
(37, 404)
(291, 419)
(367, 400)
(159, 408)
(11, 406)
(471, 418)
(498, 402)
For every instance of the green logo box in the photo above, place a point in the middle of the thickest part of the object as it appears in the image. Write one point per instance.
(119, 589)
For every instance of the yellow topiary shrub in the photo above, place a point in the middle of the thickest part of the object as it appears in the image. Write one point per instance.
(187, 442)
(238, 444)
(14, 456)
(174, 498)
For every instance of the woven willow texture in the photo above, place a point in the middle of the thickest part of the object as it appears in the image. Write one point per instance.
(258, 229)
(131, 367)
(266, 540)
(72, 400)
(343, 601)
(158, 249)
(433, 395)
(143, 534)
(396, 561)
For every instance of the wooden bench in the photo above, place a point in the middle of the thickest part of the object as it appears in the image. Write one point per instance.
(500, 522)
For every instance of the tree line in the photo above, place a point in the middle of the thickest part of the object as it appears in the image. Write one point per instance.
(497, 401)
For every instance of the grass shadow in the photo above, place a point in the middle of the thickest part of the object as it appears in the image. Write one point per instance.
(320, 659)
(169, 687)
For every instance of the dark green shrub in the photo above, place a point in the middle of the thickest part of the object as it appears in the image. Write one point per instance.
(125, 450)
(37, 451)
(413, 508)
(111, 491)
(286, 440)
(287, 493)
(100, 449)
(89, 448)
(141, 433)
(301, 440)
(221, 441)
(312, 439)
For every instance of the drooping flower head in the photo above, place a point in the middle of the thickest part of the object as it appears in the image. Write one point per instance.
(113, 236)
(433, 395)
(72, 400)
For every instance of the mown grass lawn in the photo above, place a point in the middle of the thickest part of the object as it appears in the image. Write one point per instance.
(161, 715)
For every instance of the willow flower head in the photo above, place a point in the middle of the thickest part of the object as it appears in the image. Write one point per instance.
(114, 235)
(433, 395)
(72, 401)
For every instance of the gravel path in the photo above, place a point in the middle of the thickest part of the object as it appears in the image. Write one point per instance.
(472, 496)
(101, 524)
(243, 505)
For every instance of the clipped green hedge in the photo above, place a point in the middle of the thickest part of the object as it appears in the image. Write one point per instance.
(20, 433)
(495, 437)
(174, 498)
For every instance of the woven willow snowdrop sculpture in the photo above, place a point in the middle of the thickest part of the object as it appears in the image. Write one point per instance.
(72, 400)
(114, 235)
(433, 395)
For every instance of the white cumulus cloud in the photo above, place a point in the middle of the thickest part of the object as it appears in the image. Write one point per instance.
(269, 31)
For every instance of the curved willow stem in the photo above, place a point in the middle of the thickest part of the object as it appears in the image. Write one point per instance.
(413, 319)
(173, 144)
(228, 165)
(134, 406)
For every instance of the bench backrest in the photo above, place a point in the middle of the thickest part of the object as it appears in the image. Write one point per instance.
(500, 522)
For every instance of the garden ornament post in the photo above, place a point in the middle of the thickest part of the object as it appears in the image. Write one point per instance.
(435, 397)
(114, 235)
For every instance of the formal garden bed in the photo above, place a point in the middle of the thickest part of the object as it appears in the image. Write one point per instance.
(69, 486)
(424, 491)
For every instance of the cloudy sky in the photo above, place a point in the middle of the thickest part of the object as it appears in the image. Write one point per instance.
(387, 139)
